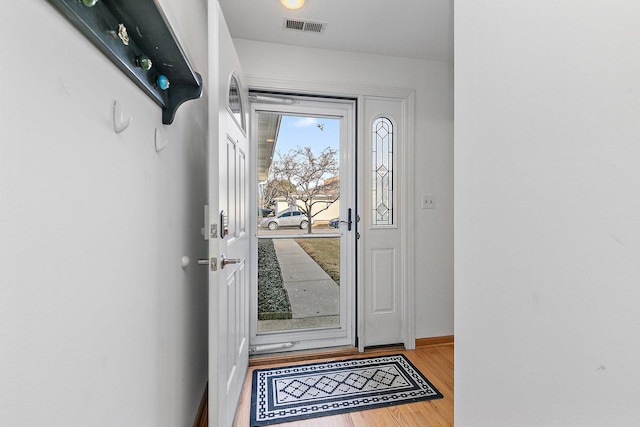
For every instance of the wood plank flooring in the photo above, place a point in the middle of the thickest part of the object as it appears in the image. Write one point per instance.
(435, 362)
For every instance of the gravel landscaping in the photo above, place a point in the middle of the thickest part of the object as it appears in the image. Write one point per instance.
(273, 301)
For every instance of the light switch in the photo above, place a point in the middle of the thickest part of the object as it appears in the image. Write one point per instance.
(428, 202)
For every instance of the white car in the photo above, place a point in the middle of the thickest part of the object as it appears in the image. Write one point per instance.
(285, 219)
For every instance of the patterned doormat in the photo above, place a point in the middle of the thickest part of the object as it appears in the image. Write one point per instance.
(290, 393)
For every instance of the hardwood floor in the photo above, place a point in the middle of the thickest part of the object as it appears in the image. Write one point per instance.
(435, 362)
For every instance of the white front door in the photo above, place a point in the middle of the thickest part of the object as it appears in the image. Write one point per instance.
(385, 305)
(229, 243)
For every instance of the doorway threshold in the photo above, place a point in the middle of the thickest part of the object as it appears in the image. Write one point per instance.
(321, 353)
(301, 355)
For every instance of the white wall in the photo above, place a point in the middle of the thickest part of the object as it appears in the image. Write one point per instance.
(99, 324)
(547, 247)
(433, 83)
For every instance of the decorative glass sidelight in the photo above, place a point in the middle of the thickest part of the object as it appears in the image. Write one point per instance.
(382, 176)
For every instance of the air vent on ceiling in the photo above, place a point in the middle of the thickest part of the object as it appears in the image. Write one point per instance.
(307, 26)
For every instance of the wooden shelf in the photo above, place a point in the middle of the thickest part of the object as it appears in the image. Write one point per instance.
(149, 34)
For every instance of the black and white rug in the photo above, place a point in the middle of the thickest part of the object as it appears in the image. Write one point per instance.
(292, 393)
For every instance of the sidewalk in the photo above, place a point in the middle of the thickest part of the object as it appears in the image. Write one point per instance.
(312, 292)
(314, 296)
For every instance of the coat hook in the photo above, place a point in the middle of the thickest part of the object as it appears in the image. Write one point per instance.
(119, 124)
(160, 140)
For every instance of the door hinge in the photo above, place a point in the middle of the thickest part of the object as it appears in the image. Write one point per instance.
(357, 235)
(214, 231)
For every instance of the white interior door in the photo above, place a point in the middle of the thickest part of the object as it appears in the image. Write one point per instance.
(229, 243)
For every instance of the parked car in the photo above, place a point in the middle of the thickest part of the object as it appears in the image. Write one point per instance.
(285, 219)
(335, 223)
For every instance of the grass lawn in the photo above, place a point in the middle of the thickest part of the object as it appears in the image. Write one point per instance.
(326, 252)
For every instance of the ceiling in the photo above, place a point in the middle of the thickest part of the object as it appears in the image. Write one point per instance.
(421, 29)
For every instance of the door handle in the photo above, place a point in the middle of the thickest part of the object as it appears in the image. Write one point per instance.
(348, 221)
(224, 261)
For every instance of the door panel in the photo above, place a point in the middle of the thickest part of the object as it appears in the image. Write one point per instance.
(382, 283)
(228, 282)
(384, 289)
(242, 191)
(317, 268)
(231, 187)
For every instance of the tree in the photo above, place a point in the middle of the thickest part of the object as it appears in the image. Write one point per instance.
(273, 189)
(301, 176)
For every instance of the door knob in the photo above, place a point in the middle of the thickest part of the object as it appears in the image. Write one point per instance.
(224, 261)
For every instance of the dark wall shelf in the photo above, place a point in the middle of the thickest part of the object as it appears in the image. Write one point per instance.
(150, 34)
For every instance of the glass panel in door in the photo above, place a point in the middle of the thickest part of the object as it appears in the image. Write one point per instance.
(298, 249)
(304, 286)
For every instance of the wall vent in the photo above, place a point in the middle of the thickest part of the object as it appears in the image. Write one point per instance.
(306, 26)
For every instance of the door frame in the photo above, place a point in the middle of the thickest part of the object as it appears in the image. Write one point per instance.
(405, 170)
(305, 339)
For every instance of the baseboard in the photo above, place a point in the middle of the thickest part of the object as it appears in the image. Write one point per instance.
(429, 342)
(202, 417)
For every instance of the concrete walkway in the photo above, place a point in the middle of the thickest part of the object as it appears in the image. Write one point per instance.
(312, 293)
(314, 296)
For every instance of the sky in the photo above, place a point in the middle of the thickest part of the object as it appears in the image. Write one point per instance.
(317, 133)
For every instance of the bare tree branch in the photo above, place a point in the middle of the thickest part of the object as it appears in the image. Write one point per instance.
(302, 176)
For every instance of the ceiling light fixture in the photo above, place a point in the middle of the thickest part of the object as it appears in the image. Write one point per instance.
(292, 4)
